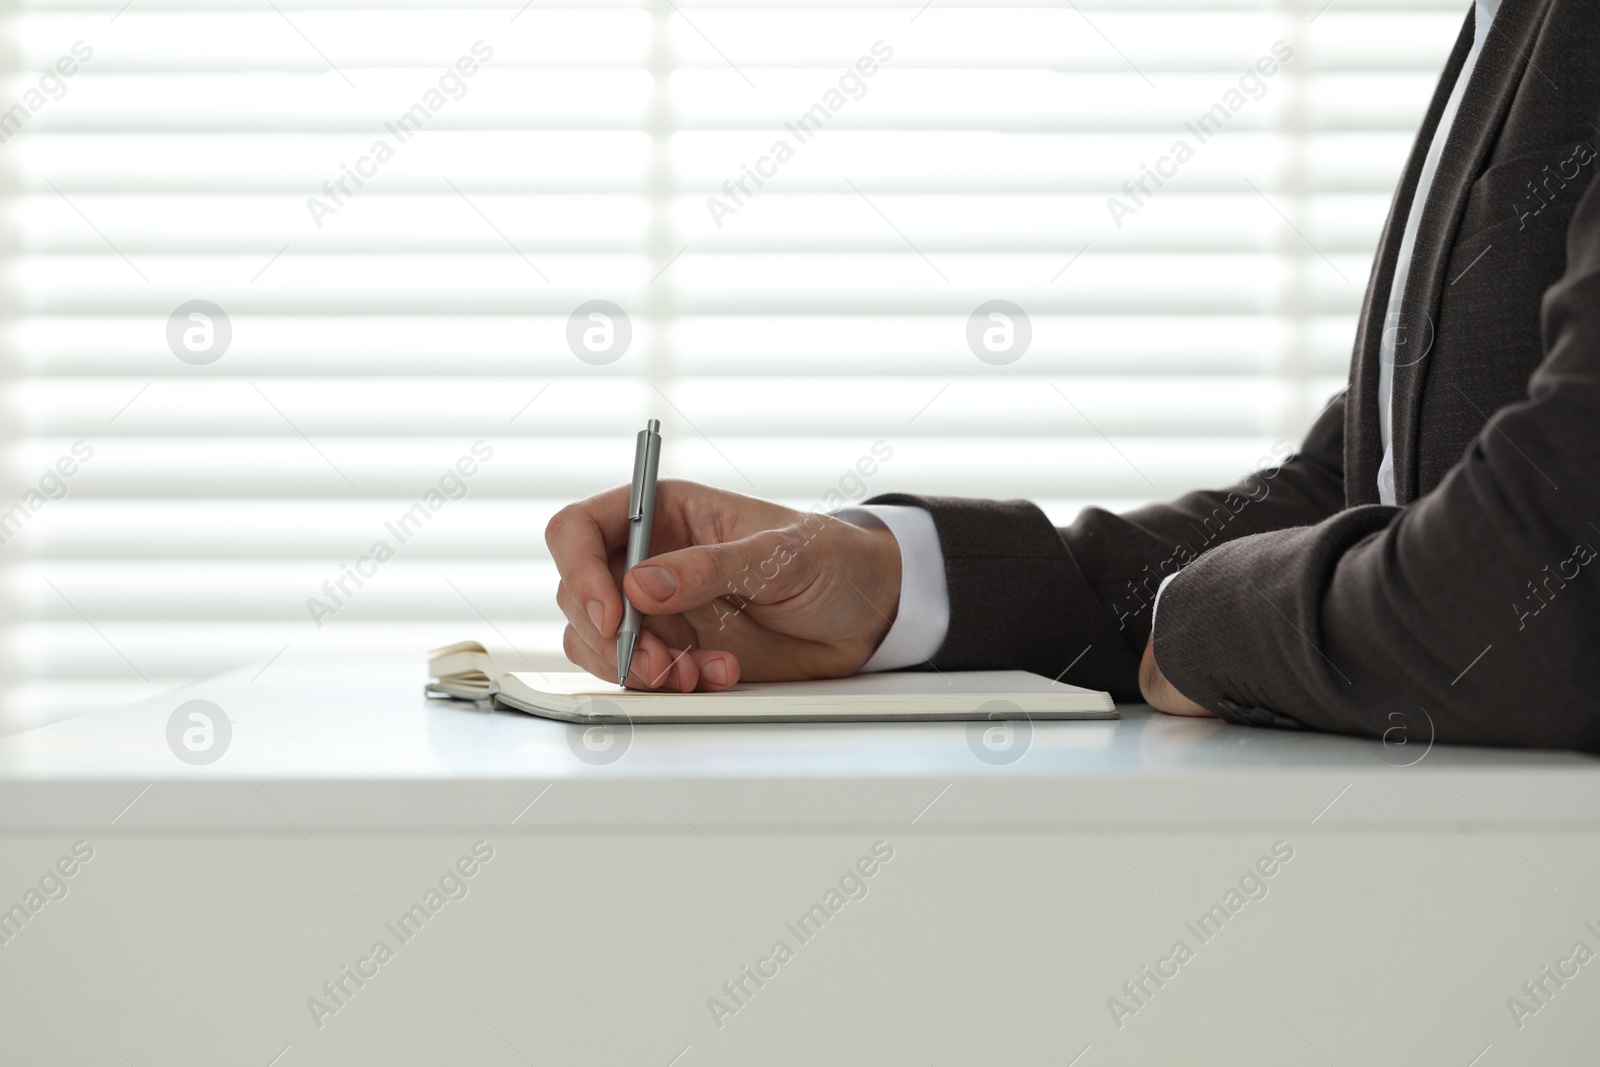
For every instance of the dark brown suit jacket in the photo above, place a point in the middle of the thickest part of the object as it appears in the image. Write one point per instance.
(1472, 610)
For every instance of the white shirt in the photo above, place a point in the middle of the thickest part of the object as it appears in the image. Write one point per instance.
(924, 617)
(1412, 339)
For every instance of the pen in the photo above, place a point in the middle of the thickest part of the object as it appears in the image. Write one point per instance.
(641, 508)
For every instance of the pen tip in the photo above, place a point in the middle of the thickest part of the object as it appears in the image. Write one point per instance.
(627, 644)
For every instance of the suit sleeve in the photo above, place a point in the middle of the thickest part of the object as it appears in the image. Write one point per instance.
(1029, 596)
(1471, 614)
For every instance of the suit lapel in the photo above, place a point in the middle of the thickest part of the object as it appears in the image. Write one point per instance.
(1363, 448)
(1477, 125)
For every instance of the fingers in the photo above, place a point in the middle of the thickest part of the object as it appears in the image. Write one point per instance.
(718, 670)
(1147, 671)
(581, 537)
(652, 655)
(585, 542)
(655, 665)
(762, 568)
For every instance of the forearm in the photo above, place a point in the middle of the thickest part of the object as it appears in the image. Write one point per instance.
(1127, 557)
(1012, 586)
(1024, 594)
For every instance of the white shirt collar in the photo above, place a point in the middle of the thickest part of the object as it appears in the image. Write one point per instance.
(1485, 13)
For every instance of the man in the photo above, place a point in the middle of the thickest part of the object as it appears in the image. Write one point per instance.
(1428, 557)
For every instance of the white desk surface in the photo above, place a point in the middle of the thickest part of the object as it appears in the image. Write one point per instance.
(380, 756)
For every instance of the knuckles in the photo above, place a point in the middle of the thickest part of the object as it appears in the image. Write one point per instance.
(557, 525)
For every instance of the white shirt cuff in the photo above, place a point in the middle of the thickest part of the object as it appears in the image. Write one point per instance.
(924, 617)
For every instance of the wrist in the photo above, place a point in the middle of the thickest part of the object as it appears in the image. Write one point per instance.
(888, 566)
(878, 582)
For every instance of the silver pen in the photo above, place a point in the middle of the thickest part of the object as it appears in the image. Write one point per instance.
(641, 508)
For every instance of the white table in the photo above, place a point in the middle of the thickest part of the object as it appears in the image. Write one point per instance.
(1028, 883)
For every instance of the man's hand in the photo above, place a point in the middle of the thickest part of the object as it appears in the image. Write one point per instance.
(1160, 693)
(734, 588)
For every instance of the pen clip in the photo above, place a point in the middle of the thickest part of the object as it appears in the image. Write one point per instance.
(636, 493)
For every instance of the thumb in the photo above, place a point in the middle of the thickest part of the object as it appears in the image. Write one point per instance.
(761, 568)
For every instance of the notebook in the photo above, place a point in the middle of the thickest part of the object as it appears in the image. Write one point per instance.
(890, 696)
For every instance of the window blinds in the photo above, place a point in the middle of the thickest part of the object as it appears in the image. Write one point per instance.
(284, 282)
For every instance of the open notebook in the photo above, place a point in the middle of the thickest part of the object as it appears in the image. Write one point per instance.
(893, 696)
